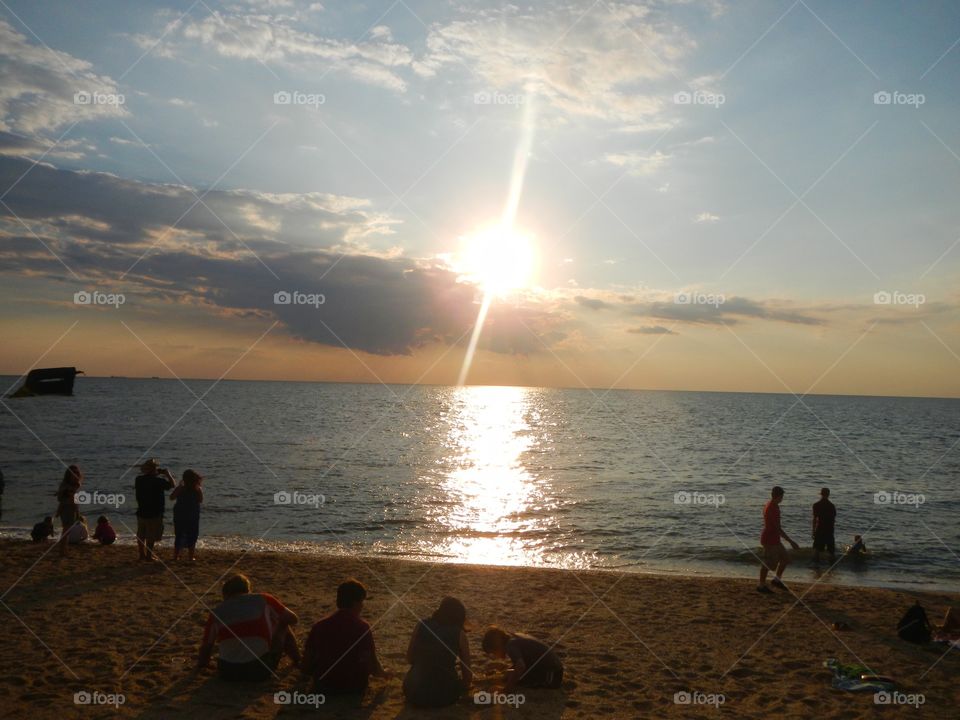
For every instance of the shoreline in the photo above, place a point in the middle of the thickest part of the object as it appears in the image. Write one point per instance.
(630, 641)
(236, 544)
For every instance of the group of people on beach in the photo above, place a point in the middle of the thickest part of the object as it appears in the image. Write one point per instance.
(775, 555)
(253, 631)
(151, 487)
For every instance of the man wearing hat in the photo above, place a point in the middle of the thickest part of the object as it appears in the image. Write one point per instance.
(151, 490)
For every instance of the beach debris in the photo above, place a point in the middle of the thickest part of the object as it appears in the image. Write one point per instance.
(853, 677)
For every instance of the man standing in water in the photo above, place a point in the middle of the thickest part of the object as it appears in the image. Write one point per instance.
(824, 516)
(774, 553)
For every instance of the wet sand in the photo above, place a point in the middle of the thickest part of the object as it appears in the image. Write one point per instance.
(99, 621)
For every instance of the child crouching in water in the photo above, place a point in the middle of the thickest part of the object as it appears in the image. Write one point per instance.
(104, 532)
(858, 549)
(534, 663)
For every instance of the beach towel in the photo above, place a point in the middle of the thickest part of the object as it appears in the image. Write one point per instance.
(847, 676)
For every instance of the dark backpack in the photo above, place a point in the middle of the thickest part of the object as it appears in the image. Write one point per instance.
(914, 626)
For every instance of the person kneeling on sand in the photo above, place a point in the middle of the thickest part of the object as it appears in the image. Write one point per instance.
(438, 649)
(78, 532)
(950, 628)
(252, 632)
(775, 555)
(42, 530)
(339, 655)
(535, 664)
(104, 532)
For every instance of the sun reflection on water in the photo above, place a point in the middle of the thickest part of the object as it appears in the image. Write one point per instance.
(493, 500)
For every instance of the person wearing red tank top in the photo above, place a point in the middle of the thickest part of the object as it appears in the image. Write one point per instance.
(775, 555)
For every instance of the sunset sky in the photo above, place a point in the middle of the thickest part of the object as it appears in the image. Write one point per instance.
(756, 196)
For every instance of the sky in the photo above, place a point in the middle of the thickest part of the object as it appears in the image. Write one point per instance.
(730, 196)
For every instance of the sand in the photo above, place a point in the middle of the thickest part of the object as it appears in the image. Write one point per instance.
(99, 621)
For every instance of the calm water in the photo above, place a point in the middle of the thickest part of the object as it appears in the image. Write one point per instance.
(531, 476)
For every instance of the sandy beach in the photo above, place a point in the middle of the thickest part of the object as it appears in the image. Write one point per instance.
(98, 621)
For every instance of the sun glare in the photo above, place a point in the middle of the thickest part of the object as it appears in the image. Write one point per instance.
(498, 259)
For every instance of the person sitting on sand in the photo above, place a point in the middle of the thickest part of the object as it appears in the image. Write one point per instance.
(438, 649)
(535, 664)
(151, 487)
(104, 531)
(824, 519)
(78, 532)
(186, 513)
(67, 509)
(951, 624)
(252, 632)
(858, 549)
(339, 655)
(775, 555)
(42, 530)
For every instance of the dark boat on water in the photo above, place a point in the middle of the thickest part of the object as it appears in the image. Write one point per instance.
(48, 381)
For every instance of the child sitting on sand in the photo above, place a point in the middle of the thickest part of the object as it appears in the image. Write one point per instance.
(42, 530)
(534, 663)
(104, 532)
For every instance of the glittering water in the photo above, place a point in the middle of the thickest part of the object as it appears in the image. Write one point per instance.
(526, 476)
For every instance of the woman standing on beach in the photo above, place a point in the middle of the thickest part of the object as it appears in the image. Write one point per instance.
(186, 513)
(438, 649)
(67, 509)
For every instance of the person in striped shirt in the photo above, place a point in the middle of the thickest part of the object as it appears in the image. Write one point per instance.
(251, 632)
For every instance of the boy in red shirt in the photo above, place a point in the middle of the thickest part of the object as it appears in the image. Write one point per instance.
(775, 555)
(339, 655)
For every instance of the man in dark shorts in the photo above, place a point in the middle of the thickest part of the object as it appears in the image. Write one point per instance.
(251, 631)
(534, 663)
(775, 555)
(824, 517)
(339, 655)
(151, 489)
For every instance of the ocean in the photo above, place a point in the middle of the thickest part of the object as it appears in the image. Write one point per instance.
(631, 481)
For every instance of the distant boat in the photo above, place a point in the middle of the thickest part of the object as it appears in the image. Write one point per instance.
(48, 381)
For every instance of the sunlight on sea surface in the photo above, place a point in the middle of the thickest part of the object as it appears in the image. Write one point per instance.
(509, 476)
(489, 484)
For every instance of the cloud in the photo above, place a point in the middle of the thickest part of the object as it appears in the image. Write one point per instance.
(591, 303)
(638, 163)
(728, 312)
(38, 85)
(604, 63)
(278, 39)
(36, 147)
(651, 330)
(706, 218)
(98, 225)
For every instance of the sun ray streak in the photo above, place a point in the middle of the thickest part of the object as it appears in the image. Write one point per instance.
(517, 176)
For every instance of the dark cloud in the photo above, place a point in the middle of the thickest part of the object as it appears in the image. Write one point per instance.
(101, 226)
(651, 330)
(592, 303)
(728, 312)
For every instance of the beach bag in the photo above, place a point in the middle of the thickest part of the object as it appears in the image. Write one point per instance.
(913, 626)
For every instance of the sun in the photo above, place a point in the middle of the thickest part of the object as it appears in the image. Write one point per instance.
(498, 259)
